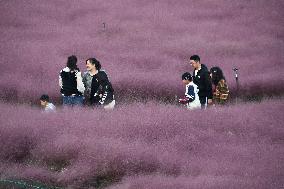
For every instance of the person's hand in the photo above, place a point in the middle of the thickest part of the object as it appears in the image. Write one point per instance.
(183, 100)
(210, 101)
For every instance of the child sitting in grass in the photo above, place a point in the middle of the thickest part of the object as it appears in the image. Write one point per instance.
(46, 105)
(191, 99)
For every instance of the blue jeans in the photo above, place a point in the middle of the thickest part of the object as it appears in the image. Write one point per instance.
(73, 100)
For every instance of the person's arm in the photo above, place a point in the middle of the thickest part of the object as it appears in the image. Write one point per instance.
(105, 87)
(208, 86)
(94, 97)
(60, 80)
(84, 80)
(80, 84)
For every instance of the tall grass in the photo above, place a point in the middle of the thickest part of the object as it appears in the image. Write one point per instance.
(145, 146)
(144, 46)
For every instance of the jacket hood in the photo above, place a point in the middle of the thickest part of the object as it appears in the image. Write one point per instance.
(203, 67)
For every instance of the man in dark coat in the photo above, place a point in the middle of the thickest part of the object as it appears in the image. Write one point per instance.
(201, 78)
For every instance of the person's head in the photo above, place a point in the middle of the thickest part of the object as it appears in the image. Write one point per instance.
(72, 62)
(216, 75)
(93, 64)
(194, 61)
(44, 100)
(186, 78)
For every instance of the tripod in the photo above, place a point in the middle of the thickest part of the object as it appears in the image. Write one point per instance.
(237, 82)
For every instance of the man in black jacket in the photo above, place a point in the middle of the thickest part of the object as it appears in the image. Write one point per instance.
(201, 78)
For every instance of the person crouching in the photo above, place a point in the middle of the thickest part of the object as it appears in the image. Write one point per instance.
(191, 99)
(46, 105)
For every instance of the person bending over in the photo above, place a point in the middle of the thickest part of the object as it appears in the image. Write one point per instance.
(191, 99)
(46, 105)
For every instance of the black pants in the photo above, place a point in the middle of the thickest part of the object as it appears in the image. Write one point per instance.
(203, 101)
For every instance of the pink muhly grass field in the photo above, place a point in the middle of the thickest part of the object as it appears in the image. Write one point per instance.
(143, 45)
(147, 142)
(146, 146)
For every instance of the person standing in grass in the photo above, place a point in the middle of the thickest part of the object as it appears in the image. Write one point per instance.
(46, 105)
(70, 82)
(191, 98)
(220, 87)
(202, 79)
(87, 80)
(102, 93)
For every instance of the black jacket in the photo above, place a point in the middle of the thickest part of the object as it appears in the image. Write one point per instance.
(68, 80)
(101, 86)
(203, 81)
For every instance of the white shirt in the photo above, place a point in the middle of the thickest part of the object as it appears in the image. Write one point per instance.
(50, 108)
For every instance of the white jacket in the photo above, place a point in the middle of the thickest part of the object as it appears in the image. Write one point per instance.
(191, 92)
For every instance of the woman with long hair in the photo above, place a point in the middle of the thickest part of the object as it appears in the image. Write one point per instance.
(70, 82)
(220, 87)
(99, 86)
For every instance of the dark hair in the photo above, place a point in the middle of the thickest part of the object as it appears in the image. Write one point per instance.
(186, 76)
(196, 58)
(72, 62)
(44, 97)
(217, 75)
(95, 62)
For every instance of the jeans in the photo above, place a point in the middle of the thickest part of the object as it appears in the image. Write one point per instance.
(73, 100)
